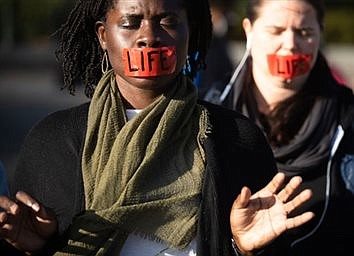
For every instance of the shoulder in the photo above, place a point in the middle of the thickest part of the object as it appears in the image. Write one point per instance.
(71, 116)
(239, 146)
(223, 115)
(346, 105)
(56, 136)
(346, 94)
(64, 121)
(234, 126)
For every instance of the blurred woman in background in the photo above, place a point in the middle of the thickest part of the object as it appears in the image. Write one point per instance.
(287, 88)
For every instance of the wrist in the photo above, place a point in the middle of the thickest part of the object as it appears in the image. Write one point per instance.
(239, 252)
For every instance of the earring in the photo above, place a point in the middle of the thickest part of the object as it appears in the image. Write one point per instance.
(187, 67)
(104, 63)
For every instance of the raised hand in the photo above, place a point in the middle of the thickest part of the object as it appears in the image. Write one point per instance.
(25, 223)
(258, 219)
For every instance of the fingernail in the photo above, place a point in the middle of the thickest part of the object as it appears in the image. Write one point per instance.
(35, 207)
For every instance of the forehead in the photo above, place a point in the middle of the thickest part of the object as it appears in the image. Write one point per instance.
(297, 12)
(148, 6)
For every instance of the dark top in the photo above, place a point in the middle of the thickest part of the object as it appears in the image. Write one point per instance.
(49, 168)
(332, 182)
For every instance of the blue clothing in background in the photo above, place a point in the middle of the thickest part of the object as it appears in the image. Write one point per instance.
(4, 190)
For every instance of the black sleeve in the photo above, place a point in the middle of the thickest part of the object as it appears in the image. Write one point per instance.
(49, 165)
(243, 151)
(7, 250)
(237, 155)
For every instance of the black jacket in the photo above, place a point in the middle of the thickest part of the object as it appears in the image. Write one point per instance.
(49, 168)
(333, 200)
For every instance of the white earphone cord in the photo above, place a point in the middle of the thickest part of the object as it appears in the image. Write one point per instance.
(234, 76)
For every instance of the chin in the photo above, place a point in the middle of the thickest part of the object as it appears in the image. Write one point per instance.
(294, 83)
(152, 82)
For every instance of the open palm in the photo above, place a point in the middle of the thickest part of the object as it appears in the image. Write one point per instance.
(258, 219)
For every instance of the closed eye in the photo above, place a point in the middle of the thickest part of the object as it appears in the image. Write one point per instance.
(130, 22)
(274, 30)
(170, 21)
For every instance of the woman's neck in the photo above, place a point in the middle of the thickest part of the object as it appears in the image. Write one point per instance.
(269, 91)
(138, 97)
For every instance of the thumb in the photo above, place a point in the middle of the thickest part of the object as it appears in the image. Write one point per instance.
(242, 199)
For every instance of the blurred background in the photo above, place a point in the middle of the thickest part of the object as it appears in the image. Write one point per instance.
(31, 80)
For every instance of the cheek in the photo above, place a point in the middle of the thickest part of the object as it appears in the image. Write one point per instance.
(182, 52)
(311, 45)
(115, 58)
(315, 54)
(263, 44)
(261, 47)
(115, 46)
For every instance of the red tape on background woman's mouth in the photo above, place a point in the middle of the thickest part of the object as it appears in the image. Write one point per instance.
(289, 66)
(149, 62)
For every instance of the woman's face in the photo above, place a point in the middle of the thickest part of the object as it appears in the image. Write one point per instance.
(144, 24)
(284, 27)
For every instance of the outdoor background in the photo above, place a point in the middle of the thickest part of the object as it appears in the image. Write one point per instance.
(30, 78)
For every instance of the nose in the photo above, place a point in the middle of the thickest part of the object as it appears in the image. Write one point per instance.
(149, 35)
(289, 41)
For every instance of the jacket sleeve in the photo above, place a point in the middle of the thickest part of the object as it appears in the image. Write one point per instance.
(237, 155)
(49, 165)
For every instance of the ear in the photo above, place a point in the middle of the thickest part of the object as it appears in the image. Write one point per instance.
(247, 28)
(101, 34)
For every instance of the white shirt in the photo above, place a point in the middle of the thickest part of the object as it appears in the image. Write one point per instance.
(131, 113)
(138, 246)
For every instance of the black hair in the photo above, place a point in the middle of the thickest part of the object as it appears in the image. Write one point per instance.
(254, 5)
(80, 54)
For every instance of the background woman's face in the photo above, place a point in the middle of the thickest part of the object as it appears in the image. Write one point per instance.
(284, 27)
(140, 24)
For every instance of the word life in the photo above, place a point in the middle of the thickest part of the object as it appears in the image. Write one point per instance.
(149, 62)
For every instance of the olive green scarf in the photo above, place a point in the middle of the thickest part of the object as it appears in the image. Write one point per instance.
(140, 176)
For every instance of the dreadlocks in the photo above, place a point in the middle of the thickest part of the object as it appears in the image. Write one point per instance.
(80, 54)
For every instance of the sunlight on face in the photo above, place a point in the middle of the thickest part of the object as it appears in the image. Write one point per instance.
(284, 28)
(145, 24)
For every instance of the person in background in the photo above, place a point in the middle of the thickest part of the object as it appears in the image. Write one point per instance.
(287, 88)
(144, 168)
(4, 190)
(219, 62)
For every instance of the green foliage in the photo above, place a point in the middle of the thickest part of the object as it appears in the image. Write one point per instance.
(33, 18)
(339, 21)
(339, 24)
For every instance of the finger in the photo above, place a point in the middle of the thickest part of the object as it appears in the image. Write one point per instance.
(304, 196)
(290, 188)
(42, 213)
(8, 205)
(4, 232)
(3, 218)
(242, 199)
(277, 181)
(299, 220)
(26, 199)
(46, 215)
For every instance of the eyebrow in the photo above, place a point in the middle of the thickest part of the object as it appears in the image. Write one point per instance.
(134, 16)
(160, 15)
(297, 28)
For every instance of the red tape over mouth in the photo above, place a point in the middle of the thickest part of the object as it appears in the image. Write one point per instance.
(289, 66)
(149, 62)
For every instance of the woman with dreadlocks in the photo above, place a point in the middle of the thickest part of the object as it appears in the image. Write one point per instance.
(144, 168)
